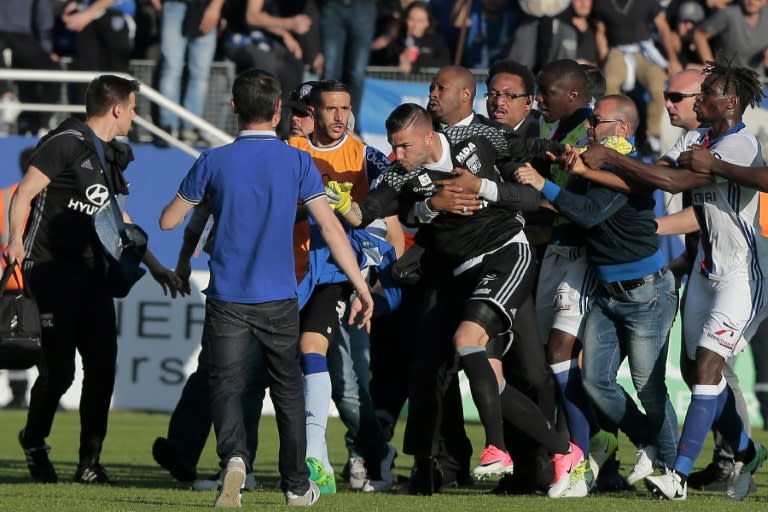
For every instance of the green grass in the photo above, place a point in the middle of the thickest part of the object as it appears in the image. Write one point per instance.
(142, 485)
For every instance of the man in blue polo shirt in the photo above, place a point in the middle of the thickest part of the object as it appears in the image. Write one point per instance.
(253, 185)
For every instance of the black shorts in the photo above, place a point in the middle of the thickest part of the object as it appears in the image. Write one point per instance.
(325, 309)
(504, 279)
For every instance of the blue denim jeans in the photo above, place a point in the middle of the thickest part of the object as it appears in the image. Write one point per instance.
(634, 325)
(347, 31)
(229, 331)
(349, 367)
(173, 47)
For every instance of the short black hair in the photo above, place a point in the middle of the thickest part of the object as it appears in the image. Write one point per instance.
(406, 115)
(513, 68)
(314, 98)
(742, 82)
(256, 93)
(568, 69)
(107, 90)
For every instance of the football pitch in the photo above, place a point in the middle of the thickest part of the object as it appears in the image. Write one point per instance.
(141, 485)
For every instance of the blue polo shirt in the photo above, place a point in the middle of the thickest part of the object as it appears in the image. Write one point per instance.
(253, 186)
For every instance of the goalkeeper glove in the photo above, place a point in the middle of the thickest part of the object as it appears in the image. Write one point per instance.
(338, 195)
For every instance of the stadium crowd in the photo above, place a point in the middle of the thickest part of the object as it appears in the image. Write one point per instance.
(520, 247)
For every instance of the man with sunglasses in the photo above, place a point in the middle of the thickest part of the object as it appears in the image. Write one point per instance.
(635, 304)
(679, 100)
(727, 296)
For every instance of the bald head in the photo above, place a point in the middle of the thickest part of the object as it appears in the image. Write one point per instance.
(680, 96)
(623, 107)
(451, 95)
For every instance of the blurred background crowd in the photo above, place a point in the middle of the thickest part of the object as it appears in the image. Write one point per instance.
(637, 43)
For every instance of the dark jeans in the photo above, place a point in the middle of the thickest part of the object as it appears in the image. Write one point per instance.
(78, 314)
(229, 331)
(191, 419)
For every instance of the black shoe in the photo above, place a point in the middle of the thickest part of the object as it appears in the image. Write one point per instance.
(167, 456)
(93, 473)
(425, 477)
(714, 477)
(39, 464)
(609, 479)
(17, 403)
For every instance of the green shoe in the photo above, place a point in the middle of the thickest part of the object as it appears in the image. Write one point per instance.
(325, 480)
(602, 446)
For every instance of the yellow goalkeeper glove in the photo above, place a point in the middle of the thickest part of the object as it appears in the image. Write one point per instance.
(338, 195)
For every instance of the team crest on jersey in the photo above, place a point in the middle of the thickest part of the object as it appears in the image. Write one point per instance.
(425, 180)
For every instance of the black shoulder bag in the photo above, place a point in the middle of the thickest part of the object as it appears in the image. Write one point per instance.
(124, 244)
(20, 327)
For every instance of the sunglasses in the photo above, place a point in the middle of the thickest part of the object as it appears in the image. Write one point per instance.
(677, 97)
(594, 121)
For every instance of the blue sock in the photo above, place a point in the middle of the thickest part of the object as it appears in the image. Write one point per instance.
(317, 399)
(582, 423)
(729, 424)
(706, 402)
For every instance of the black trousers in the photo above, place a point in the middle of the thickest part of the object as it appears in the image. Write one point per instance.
(28, 54)
(435, 423)
(78, 314)
(229, 331)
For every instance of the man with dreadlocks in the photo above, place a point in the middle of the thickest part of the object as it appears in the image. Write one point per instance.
(727, 299)
(480, 265)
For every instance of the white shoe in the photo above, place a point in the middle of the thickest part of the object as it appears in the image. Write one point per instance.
(579, 484)
(564, 468)
(357, 473)
(668, 486)
(644, 465)
(307, 499)
(214, 482)
(387, 478)
(230, 493)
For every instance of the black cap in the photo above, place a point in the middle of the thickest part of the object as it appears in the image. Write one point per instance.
(297, 99)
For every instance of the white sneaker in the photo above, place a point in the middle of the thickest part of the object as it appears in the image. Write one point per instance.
(307, 499)
(230, 493)
(213, 482)
(644, 465)
(668, 486)
(387, 478)
(580, 483)
(357, 473)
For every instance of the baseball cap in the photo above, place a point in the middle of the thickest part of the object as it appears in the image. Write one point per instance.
(297, 98)
(690, 11)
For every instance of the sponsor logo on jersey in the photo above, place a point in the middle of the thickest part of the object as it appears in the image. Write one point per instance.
(487, 279)
(465, 152)
(425, 180)
(704, 197)
(482, 291)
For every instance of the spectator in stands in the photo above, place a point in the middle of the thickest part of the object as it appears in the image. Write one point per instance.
(488, 24)
(347, 29)
(595, 87)
(309, 41)
(579, 16)
(629, 55)
(416, 45)
(104, 32)
(188, 31)
(258, 39)
(25, 31)
(689, 15)
(542, 37)
(741, 31)
(388, 20)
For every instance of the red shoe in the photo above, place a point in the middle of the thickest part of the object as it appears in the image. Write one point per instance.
(493, 462)
(563, 464)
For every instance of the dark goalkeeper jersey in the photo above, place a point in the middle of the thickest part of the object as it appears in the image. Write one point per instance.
(455, 238)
